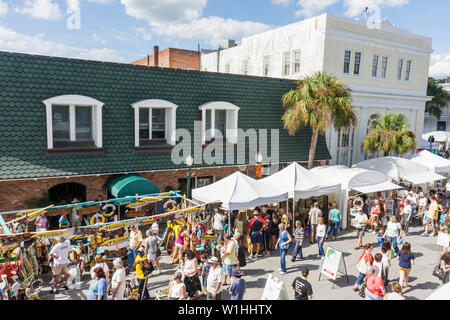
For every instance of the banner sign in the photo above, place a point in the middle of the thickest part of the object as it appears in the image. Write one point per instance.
(274, 290)
(333, 263)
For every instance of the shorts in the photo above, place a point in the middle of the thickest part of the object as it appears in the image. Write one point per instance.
(218, 295)
(256, 237)
(405, 270)
(179, 246)
(58, 269)
(227, 269)
(151, 256)
(360, 232)
(430, 221)
(313, 227)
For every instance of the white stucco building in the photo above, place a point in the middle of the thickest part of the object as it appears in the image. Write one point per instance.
(432, 123)
(386, 68)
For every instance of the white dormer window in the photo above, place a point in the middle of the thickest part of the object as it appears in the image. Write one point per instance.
(154, 122)
(74, 122)
(221, 116)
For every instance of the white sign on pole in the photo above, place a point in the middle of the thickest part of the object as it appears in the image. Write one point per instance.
(274, 290)
(443, 239)
(333, 263)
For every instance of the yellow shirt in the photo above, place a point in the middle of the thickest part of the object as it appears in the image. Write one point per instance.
(433, 211)
(139, 272)
(135, 238)
(230, 258)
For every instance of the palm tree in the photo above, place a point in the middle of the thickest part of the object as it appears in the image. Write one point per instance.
(319, 101)
(434, 106)
(389, 132)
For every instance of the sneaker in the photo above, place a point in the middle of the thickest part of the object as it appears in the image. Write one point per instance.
(53, 291)
(258, 255)
(434, 235)
(355, 289)
(66, 287)
(323, 258)
(279, 269)
(157, 271)
(424, 234)
(282, 272)
(319, 256)
(292, 261)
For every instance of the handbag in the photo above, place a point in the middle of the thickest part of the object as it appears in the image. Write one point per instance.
(400, 241)
(158, 252)
(362, 265)
(148, 271)
(362, 290)
(438, 272)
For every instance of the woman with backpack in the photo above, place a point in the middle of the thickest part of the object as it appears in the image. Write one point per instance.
(365, 262)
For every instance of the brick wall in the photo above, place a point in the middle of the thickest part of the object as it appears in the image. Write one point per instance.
(14, 193)
(173, 58)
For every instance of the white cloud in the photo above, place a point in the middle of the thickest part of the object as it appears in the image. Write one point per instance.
(11, 40)
(212, 30)
(3, 8)
(282, 2)
(440, 65)
(40, 9)
(158, 12)
(144, 33)
(310, 8)
(101, 1)
(356, 7)
(97, 38)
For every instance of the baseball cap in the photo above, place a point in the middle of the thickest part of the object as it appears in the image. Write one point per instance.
(141, 249)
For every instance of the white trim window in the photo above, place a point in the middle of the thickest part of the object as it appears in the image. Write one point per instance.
(357, 64)
(266, 66)
(297, 56)
(375, 66)
(227, 68)
(408, 70)
(245, 67)
(345, 145)
(399, 69)
(384, 65)
(286, 63)
(74, 121)
(154, 122)
(221, 116)
(347, 59)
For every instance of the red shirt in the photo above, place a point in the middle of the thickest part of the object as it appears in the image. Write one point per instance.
(264, 222)
(374, 285)
(368, 258)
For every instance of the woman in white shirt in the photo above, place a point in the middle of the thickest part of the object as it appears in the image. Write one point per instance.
(118, 283)
(178, 289)
(320, 236)
(191, 280)
(407, 215)
(393, 232)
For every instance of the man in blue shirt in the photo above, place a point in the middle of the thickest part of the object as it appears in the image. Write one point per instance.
(237, 288)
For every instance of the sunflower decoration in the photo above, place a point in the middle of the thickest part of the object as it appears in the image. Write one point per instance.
(150, 199)
(35, 215)
(147, 222)
(22, 213)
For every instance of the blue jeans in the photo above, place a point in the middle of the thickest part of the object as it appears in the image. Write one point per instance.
(143, 291)
(321, 252)
(283, 253)
(333, 226)
(360, 279)
(371, 296)
(131, 256)
(297, 251)
(393, 242)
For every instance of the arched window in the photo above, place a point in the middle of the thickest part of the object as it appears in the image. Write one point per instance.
(73, 122)
(154, 122)
(372, 118)
(222, 117)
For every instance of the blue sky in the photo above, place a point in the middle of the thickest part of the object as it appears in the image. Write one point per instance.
(125, 30)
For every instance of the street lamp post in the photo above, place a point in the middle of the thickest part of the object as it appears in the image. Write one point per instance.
(189, 163)
(431, 141)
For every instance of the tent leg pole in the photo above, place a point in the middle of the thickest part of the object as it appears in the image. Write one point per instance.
(293, 215)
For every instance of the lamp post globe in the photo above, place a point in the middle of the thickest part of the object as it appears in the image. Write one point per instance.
(189, 162)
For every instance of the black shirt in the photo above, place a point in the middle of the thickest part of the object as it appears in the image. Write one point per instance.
(302, 288)
(256, 226)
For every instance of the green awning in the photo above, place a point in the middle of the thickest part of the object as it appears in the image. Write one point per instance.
(130, 184)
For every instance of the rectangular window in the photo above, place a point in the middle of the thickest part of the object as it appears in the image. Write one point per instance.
(83, 123)
(220, 121)
(347, 59)
(408, 70)
(266, 65)
(227, 68)
(208, 125)
(296, 61)
(357, 63)
(61, 123)
(399, 69)
(286, 63)
(375, 66)
(158, 124)
(152, 124)
(384, 67)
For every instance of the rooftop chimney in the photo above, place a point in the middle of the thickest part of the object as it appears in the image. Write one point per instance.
(156, 56)
(448, 79)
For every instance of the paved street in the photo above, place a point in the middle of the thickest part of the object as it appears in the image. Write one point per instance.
(421, 279)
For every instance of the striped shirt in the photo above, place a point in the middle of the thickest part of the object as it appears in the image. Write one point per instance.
(299, 233)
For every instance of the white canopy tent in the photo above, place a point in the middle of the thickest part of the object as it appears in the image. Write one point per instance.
(432, 161)
(361, 180)
(301, 183)
(396, 168)
(239, 191)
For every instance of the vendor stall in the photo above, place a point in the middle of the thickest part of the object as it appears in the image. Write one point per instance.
(399, 168)
(433, 162)
(360, 180)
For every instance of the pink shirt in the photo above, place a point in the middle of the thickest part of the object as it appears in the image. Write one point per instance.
(42, 223)
(180, 239)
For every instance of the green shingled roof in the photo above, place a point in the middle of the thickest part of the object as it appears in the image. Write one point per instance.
(27, 80)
